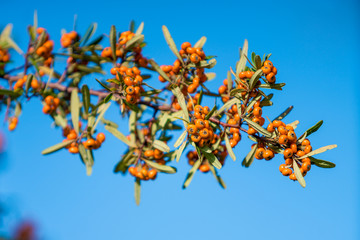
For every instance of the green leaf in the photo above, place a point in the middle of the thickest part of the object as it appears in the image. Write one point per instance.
(75, 109)
(229, 148)
(209, 115)
(230, 81)
(322, 163)
(257, 62)
(112, 37)
(248, 160)
(180, 150)
(125, 162)
(213, 160)
(203, 64)
(319, 150)
(161, 146)
(108, 98)
(161, 168)
(103, 85)
(180, 139)
(227, 106)
(257, 127)
(9, 93)
(240, 66)
(57, 147)
(217, 177)
(191, 173)
(171, 43)
(28, 83)
(101, 111)
(284, 114)
(137, 191)
(277, 86)
(140, 28)
(254, 79)
(210, 76)
(136, 40)
(119, 135)
(88, 34)
(200, 43)
(35, 25)
(314, 128)
(298, 174)
(181, 100)
(159, 70)
(86, 98)
(18, 109)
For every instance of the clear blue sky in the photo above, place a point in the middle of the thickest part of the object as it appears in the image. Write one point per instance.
(315, 45)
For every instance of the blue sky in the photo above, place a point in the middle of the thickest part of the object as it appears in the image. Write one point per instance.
(314, 46)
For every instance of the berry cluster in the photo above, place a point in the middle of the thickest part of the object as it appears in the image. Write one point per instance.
(13, 121)
(90, 143)
(132, 80)
(270, 71)
(223, 91)
(19, 84)
(256, 116)
(155, 154)
(143, 172)
(293, 149)
(68, 38)
(171, 70)
(45, 49)
(263, 152)
(199, 129)
(51, 104)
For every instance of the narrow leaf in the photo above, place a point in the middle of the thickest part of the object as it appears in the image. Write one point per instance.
(75, 109)
(298, 174)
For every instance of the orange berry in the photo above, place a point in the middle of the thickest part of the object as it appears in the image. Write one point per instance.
(149, 153)
(300, 153)
(257, 111)
(268, 63)
(268, 155)
(266, 69)
(282, 167)
(100, 137)
(204, 168)
(192, 129)
(270, 127)
(288, 153)
(306, 166)
(259, 154)
(195, 138)
(74, 150)
(195, 58)
(287, 172)
(90, 143)
(185, 45)
(305, 142)
(292, 177)
(152, 174)
(158, 154)
(283, 139)
(192, 88)
(292, 136)
(308, 149)
(251, 131)
(293, 147)
(277, 123)
(49, 100)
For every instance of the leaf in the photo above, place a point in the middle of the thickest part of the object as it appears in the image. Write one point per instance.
(60, 120)
(104, 86)
(314, 128)
(161, 146)
(137, 39)
(112, 38)
(203, 64)
(230, 81)
(322, 163)
(213, 160)
(28, 83)
(75, 109)
(227, 105)
(298, 174)
(171, 43)
(101, 111)
(257, 62)
(257, 127)
(57, 147)
(294, 124)
(159, 70)
(254, 79)
(200, 43)
(88, 34)
(191, 173)
(284, 114)
(86, 98)
(137, 191)
(210, 76)
(319, 150)
(209, 115)
(181, 100)
(180, 150)
(277, 86)
(217, 177)
(229, 148)
(161, 168)
(119, 135)
(140, 28)
(35, 25)
(108, 98)
(240, 66)
(180, 139)
(248, 160)
(9, 93)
